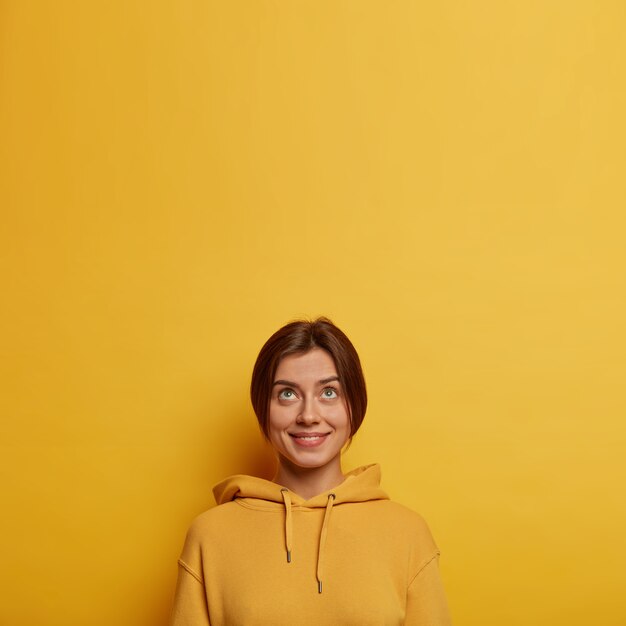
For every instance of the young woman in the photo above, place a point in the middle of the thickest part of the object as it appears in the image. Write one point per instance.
(313, 546)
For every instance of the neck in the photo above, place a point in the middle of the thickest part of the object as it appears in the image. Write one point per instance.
(308, 482)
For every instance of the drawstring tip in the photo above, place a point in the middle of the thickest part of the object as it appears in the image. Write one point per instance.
(288, 556)
(319, 586)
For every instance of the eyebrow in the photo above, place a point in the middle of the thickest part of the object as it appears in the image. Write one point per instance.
(289, 383)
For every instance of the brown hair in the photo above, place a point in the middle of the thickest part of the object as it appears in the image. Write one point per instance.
(299, 337)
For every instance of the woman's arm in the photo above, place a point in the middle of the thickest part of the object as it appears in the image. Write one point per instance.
(190, 604)
(426, 603)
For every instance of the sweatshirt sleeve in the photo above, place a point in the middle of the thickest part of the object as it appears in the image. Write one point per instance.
(190, 601)
(426, 601)
(190, 605)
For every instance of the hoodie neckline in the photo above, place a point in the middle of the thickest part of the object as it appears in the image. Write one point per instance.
(359, 485)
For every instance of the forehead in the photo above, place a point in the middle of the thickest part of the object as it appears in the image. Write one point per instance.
(316, 364)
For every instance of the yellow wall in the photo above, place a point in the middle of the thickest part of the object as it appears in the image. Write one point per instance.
(444, 179)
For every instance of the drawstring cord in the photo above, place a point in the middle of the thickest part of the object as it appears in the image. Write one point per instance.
(288, 525)
(323, 534)
(320, 554)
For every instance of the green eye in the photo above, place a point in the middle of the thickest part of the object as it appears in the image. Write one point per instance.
(286, 394)
(329, 393)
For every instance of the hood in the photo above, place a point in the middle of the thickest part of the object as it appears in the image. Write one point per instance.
(360, 485)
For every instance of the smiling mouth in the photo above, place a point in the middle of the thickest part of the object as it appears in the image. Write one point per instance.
(309, 439)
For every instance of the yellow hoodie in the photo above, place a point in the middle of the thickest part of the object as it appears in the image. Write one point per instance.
(346, 557)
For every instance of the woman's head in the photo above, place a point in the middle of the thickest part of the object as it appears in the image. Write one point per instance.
(300, 337)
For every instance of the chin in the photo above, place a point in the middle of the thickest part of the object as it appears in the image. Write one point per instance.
(308, 461)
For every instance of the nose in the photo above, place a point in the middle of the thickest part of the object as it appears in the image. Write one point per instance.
(308, 414)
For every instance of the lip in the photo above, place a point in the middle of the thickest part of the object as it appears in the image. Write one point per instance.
(309, 439)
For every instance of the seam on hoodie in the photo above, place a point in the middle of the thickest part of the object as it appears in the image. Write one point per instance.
(190, 571)
(421, 568)
(265, 509)
(280, 508)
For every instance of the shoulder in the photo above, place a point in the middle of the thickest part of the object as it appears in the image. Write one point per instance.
(205, 524)
(398, 524)
(204, 534)
(403, 517)
(410, 528)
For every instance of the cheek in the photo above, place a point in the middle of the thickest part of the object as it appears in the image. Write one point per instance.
(338, 416)
(280, 416)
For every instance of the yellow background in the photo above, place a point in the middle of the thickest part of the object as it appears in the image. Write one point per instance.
(446, 180)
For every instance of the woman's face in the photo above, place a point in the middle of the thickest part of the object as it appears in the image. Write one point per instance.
(308, 417)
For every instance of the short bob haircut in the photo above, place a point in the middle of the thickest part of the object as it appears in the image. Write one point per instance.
(299, 337)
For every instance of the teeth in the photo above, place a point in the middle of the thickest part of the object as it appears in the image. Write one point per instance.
(309, 438)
